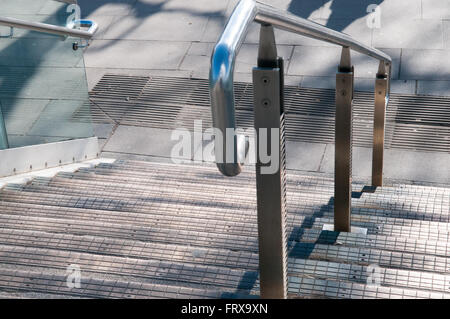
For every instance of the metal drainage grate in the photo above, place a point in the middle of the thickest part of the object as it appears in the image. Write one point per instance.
(412, 122)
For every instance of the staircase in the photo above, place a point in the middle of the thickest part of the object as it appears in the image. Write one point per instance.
(138, 229)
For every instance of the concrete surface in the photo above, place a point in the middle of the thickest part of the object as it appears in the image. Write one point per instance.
(176, 36)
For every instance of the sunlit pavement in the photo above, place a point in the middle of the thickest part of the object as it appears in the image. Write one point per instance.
(177, 37)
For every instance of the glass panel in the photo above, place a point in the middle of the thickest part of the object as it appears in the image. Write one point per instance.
(42, 78)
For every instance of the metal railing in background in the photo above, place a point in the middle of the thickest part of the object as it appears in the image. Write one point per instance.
(269, 114)
(67, 31)
(64, 31)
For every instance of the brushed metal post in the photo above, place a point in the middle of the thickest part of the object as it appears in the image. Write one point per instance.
(343, 143)
(271, 187)
(381, 87)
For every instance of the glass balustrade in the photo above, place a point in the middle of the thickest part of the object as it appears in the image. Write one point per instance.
(43, 87)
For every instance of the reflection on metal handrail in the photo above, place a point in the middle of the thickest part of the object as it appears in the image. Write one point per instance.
(67, 31)
(76, 24)
(224, 56)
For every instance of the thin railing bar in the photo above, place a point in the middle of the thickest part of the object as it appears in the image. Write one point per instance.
(289, 22)
(52, 29)
(223, 61)
(343, 142)
(67, 31)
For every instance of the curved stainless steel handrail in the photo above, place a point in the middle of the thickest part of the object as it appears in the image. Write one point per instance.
(224, 56)
(52, 29)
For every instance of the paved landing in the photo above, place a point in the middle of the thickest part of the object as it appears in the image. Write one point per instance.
(175, 37)
(135, 118)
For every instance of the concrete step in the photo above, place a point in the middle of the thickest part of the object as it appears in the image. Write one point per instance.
(186, 231)
(201, 274)
(45, 281)
(214, 236)
(131, 269)
(140, 179)
(171, 217)
(374, 224)
(194, 266)
(146, 168)
(303, 250)
(302, 287)
(361, 214)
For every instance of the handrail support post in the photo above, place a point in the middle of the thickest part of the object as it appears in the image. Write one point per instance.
(343, 143)
(381, 90)
(270, 177)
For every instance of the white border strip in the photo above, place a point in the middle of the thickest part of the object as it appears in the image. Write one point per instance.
(50, 172)
(31, 158)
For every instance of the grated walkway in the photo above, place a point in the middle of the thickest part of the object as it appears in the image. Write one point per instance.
(140, 229)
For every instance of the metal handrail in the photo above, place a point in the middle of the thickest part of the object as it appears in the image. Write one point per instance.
(224, 56)
(67, 31)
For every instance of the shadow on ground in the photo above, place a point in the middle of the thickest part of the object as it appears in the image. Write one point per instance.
(342, 12)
